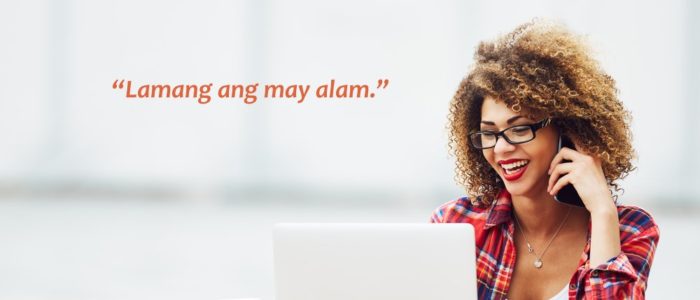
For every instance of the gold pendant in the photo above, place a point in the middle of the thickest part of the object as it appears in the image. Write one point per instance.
(538, 263)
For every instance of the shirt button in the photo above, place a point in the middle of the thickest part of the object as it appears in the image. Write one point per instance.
(572, 286)
(595, 273)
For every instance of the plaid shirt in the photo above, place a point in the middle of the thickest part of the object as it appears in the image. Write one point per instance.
(621, 277)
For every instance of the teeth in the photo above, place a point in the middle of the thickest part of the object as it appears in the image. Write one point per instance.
(514, 165)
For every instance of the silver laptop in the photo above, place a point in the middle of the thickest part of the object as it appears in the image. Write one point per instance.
(382, 261)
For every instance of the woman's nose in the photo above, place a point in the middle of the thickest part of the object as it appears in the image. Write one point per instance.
(503, 146)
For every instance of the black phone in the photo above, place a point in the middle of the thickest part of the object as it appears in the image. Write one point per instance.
(568, 193)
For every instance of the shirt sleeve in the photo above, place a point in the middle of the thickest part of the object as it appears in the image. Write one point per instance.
(625, 275)
(436, 217)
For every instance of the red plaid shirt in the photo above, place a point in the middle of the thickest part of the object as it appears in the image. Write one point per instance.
(621, 277)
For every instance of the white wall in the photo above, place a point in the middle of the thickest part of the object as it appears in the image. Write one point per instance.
(64, 125)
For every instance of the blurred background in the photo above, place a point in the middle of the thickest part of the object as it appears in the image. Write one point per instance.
(103, 197)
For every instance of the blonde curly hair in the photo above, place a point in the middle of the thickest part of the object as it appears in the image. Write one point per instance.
(545, 71)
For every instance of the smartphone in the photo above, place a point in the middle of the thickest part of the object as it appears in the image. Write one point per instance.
(568, 193)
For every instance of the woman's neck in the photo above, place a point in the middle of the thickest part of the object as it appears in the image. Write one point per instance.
(540, 214)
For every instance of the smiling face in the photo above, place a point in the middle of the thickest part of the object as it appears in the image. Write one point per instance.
(522, 167)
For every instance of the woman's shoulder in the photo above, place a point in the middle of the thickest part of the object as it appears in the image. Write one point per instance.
(461, 210)
(634, 221)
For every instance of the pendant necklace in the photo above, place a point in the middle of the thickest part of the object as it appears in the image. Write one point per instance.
(538, 260)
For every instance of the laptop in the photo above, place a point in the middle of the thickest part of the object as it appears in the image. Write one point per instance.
(382, 261)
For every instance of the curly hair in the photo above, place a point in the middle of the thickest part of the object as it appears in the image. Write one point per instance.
(545, 71)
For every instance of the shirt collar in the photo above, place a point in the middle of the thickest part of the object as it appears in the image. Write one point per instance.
(500, 211)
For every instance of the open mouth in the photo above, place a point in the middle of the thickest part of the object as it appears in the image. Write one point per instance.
(513, 171)
(514, 167)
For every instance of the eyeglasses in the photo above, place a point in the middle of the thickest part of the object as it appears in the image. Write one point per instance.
(514, 135)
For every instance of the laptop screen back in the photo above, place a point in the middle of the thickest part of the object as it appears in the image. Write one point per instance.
(338, 261)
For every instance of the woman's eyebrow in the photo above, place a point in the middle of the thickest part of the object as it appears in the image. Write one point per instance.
(511, 120)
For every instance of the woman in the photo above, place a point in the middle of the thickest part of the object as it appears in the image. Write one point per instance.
(528, 89)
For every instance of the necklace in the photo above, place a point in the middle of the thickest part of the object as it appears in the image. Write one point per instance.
(538, 260)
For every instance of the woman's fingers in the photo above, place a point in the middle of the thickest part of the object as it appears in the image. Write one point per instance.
(563, 181)
(559, 170)
(564, 154)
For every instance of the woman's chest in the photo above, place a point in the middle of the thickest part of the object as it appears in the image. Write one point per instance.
(558, 264)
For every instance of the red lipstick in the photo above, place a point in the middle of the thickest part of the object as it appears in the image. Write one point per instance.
(507, 161)
(516, 175)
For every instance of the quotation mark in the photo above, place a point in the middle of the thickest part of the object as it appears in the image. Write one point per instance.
(120, 86)
(381, 84)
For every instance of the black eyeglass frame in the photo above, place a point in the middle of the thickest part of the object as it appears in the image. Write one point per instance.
(534, 127)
